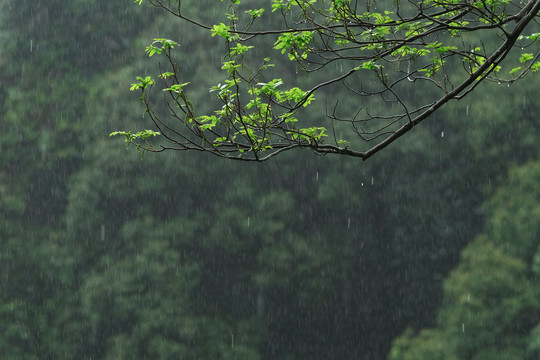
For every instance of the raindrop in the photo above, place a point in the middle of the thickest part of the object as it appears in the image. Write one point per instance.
(467, 110)
(102, 232)
(372, 180)
(468, 297)
(462, 327)
(317, 176)
(248, 220)
(442, 134)
(31, 45)
(348, 223)
(260, 303)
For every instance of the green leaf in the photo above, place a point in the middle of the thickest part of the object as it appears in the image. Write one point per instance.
(166, 74)
(142, 84)
(177, 88)
(255, 13)
(240, 49)
(526, 57)
(368, 65)
(223, 31)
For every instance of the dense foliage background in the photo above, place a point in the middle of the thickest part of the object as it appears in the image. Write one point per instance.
(427, 251)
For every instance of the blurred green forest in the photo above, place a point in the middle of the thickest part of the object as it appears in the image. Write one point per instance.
(430, 250)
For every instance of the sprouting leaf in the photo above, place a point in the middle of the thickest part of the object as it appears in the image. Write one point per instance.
(224, 31)
(240, 49)
(255, 13)
(368, 65)
(343, 143)
(166, 75)
(526, 57)
(143, 134)
(165, 44)
(142, 84)
(177, 88)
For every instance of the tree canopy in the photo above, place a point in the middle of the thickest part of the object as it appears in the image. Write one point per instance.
(397, 63)
(490, 308)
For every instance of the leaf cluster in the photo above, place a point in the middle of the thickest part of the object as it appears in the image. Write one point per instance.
(442, 47)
